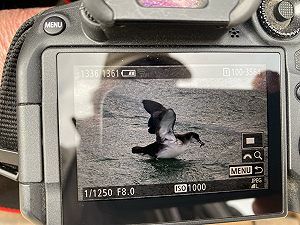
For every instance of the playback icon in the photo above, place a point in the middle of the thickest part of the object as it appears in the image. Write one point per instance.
(252, 140)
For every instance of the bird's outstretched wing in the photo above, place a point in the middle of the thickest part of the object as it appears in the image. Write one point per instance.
(161, 122)
(152, 106)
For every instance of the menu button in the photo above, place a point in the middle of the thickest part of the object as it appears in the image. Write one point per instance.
(240, 170)
(246, 170)
(54, 25)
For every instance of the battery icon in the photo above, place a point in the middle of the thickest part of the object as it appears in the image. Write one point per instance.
(128, 73)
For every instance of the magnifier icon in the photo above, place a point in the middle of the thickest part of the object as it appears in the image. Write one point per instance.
(257, 155)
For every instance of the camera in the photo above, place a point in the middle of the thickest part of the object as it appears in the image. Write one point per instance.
(138, 111)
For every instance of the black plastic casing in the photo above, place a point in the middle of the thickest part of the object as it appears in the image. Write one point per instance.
(40, 179)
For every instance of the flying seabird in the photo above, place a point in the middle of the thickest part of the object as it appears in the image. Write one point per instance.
(161, 123)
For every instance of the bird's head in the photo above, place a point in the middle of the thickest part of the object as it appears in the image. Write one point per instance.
(194, 137)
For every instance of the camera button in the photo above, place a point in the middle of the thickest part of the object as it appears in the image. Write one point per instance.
(284, 11)
(297, 91)
(54, 25)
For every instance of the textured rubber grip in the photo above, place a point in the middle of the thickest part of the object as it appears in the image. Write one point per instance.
(8, 98)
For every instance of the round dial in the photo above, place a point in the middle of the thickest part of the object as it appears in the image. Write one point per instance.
(279, 18)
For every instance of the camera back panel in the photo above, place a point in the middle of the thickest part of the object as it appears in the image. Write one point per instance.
(231, 86)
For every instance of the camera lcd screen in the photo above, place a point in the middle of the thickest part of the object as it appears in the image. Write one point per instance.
(170, 124)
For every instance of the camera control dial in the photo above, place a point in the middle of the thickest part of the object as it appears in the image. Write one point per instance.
(279, 18)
